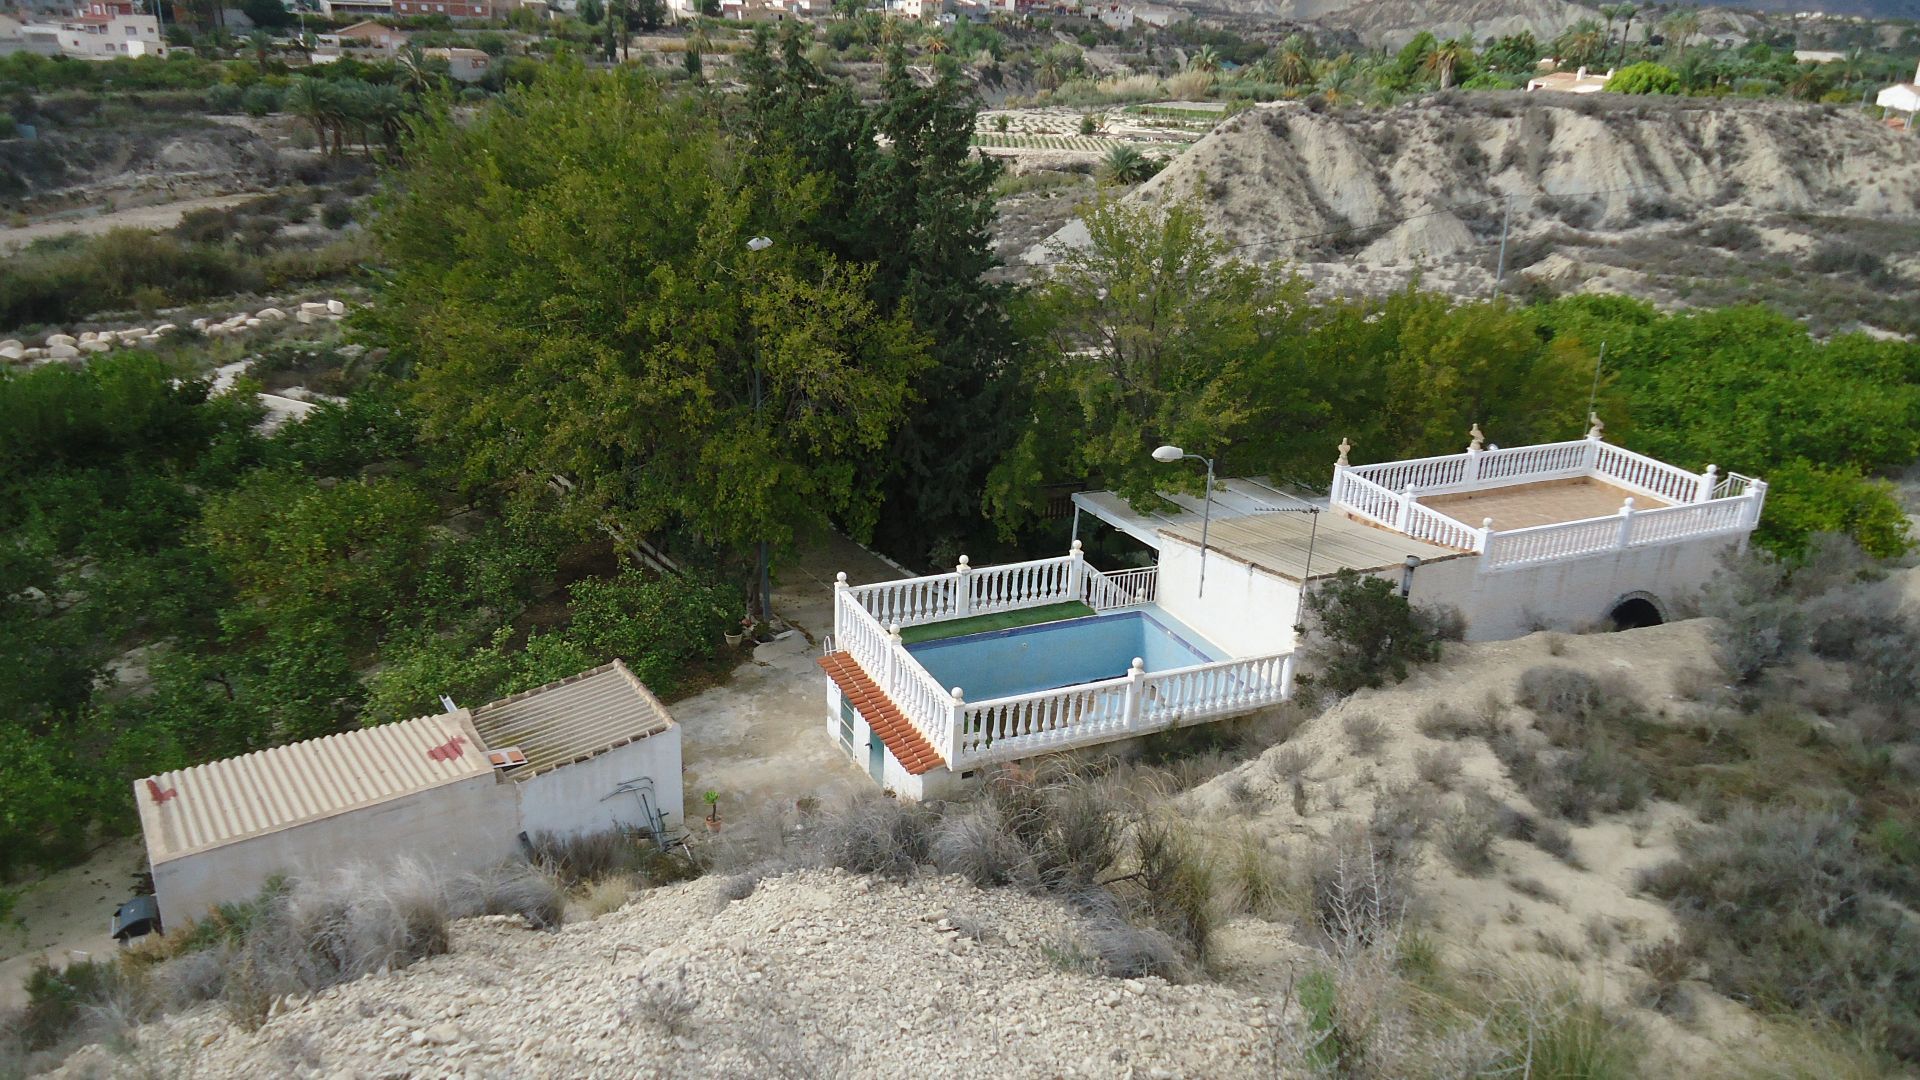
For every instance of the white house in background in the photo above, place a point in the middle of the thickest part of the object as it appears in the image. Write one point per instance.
(1902, 97)
(368, 9)
(459, 790)
(1580, 81)
(465, 65)
(1555, 535)
(1817, 56)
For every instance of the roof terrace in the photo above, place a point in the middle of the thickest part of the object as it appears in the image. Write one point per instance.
(1532, 504)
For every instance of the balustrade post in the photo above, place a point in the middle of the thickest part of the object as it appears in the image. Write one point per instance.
(894, 651)
(1708, 481)
(1076, 572)
(1286, 677)
(839, 602)
(1483, 536)
(1756, 497)
(1136, 693)
(1626, 523)
(956, 716)
(963, 589)
(1404, 517)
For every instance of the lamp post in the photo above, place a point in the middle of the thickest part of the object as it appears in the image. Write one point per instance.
(1170, 454)
(764, 573)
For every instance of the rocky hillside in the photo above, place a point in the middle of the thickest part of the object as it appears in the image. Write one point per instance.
(134, 165)
(1635, 194)
(1392, 23)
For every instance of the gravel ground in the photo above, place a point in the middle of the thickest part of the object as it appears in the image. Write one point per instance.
(817, 973)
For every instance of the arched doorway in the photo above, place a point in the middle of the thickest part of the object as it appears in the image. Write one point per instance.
(1634, 611)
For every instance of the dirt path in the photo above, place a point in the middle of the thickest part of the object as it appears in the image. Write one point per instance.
(760, 741)
(64, 915)
(157, 216)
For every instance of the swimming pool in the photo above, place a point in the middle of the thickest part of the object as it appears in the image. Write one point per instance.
(1002, 663)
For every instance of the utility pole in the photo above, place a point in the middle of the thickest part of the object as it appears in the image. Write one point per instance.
(1500, 270)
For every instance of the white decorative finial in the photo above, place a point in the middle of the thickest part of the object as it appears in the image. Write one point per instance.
(1479, 440)
(1598, 430)
(963, 563)
(840, 578)
(1076, 545)
(1486, 523)
(1139, 665)
(958, 697)
(1345, 448)
(893, 631)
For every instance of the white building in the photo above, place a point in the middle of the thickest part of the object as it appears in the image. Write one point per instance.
(106, 31)
(1581, 81)
(457, 790)
(465, 65)
(1557, 535)
(1902, 97)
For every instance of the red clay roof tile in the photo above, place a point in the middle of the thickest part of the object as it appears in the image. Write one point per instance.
(909, 747)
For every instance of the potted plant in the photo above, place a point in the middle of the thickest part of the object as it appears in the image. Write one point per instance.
(712, 799)
(735, 637)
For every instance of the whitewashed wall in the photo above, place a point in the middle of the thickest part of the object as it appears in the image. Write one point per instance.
(573, 798)
(458, 826)
(1572, 594)
(1245, 611)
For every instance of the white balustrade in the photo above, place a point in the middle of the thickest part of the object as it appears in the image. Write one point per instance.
(1020, 585)
(1134, 704)
(1426, 523)
(1220, 689)
(1686, 522)
(1122, 588)
(1547, 543)
(1361, 496)
(1643, 475)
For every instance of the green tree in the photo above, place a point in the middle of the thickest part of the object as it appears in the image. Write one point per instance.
(902, 190)
(1359, 632)
(1156, 337)
(1125, 164)
(587, 306)
(1645, 77)
(1445, 59)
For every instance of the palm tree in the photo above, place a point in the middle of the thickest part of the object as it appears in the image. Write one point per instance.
(1050, 72)
(262, 43)
(1291, 65)
(309, 100)
(1205, 58)
(935, 44)
(1336, 79)
(1582, 43)
(1127, 165)
(1680, 27)
(1444, 59)
(1627, 11)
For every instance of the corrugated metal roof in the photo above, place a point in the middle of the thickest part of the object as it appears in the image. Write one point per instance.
(1277, 543)
(223, 801)
(573, 719)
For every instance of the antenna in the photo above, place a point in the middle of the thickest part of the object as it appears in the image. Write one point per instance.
(1593, 395)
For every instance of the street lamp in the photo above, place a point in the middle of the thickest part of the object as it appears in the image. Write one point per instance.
(1170, 454)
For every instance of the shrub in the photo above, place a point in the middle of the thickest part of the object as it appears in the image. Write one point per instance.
(1731, 235)
(1443, 721)
(1645, 77)
(1467, 839)
(336, 214)
(1177, 883)
(974, 843)
(1758, 624)
(1358, 891)
(1441, 767)
(511, 889)
(1787, 910)
(662, 628)
(1361, 632)
(8, 128)
(874, 835)
(58, 999)
(1667, 964)
(1364, 732)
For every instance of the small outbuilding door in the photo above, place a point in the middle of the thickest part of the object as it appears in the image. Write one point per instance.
(877, 758)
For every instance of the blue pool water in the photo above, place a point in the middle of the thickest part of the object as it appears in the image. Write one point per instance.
(1001, 663)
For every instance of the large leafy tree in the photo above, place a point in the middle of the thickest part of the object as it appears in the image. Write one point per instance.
(573, 284)
(1157, 336)
(902, 191)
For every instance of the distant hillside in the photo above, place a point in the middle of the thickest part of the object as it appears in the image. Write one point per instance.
(1676, 199)
(1392, 23)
